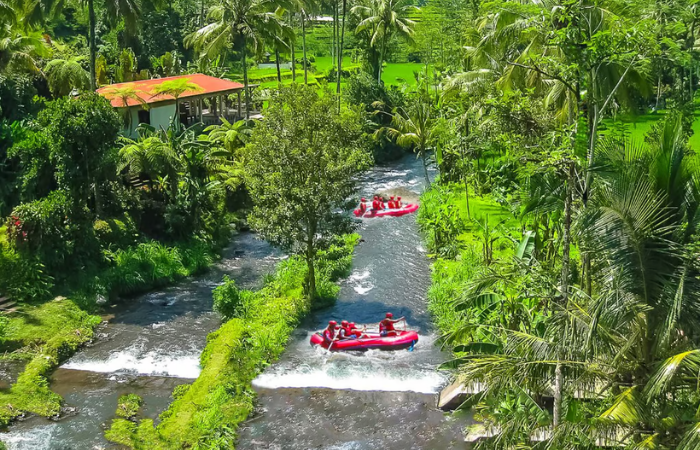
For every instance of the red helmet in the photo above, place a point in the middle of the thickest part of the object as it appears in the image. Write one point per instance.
(352, 325)
(389, 315)
(398, 198)
(364, 199)
(392, 197)
(344, 323)
(376, 197)
(332, 323)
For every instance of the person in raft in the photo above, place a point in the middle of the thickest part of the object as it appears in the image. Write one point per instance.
(398, 203)
(363, 205)
(330, 334)
(392, 202)
(356, 332)
(386, 326)
(377, 204)
(345, 331)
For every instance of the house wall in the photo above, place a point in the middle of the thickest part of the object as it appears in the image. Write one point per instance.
(161, 116)
(134, 112)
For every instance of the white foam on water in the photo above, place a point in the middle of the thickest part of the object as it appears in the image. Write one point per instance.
(359, 276)
(350, 378)
(373, 370)
(362, 289)
(38, 437)
(150, 364)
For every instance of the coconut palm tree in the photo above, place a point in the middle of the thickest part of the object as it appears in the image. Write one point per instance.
(175, 88)
(66, 74)
(240, 24)
(631, 348)
(413, 127)
(19, 50)
(380, 20)
(124, 94)
(127, 11)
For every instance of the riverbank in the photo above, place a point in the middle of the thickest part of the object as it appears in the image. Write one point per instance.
(213, 406)
(45, 334)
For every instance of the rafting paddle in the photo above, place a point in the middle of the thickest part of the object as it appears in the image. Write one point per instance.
(333, 341)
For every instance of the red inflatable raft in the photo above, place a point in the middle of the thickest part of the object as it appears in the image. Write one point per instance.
(402, 339)
(405, 209)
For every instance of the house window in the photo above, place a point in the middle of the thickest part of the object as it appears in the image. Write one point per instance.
(144, 116)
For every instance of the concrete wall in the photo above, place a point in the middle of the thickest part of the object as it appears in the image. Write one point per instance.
(161, 116)
(134, 112)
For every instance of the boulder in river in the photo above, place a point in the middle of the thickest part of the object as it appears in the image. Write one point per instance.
(452, 396)
(407, 195)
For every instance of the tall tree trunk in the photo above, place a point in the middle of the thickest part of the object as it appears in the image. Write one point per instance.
(201, 15)
(340, 53)
(303, 46)
(92, 44)
(566, 244)
(294, 57)
(381, 56)
(245, 78)
(277, 63)
(310, 256)
(425, 169)
(464, 160)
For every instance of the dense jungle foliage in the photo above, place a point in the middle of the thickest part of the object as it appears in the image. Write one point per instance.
(559, 139)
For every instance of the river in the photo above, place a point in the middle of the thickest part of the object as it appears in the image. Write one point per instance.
(309, 398)
(372, 400)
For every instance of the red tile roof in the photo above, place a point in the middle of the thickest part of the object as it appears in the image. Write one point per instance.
(209, 85)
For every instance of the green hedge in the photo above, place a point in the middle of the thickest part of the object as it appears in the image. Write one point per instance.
(208, 411)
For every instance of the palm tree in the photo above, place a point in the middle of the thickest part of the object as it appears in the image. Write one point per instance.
(413, 127)
(19, 50)
(380, 20)
(175, 88)
(180, 159)
(65, 75)
(632, 345)
(240, 23)
(127, 11)
(230, 138)
(124, 94)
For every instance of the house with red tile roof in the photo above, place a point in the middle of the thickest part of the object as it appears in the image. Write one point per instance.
(215, 98)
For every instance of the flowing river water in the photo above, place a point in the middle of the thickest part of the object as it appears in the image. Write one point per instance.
(309, 399)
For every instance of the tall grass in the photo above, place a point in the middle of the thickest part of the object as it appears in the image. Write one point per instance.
(153, 264)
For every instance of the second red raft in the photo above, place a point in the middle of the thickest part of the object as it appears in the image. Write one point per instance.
(402, 339)
(405, 209)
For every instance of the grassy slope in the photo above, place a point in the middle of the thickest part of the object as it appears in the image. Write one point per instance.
(638, 126)
(450, 275)
(50, 333)
(394, 73)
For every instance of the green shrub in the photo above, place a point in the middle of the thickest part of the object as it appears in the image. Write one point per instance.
(227, 299)
(128, 406)
(55, 230)
(23, 278)
(113, 234)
